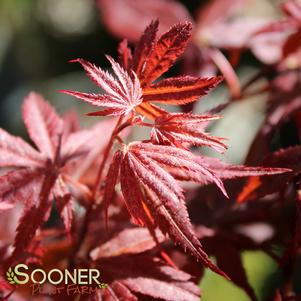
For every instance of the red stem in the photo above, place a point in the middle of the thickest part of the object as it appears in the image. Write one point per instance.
(226, 69)
(105, 156)
(90, 208)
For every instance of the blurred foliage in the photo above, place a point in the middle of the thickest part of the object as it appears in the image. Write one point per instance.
(36, 44)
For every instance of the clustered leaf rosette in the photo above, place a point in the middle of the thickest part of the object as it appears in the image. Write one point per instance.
(149, 171)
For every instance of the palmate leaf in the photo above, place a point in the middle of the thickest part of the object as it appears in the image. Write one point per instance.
(148, 189)
(41, 177)
(181, 129)
(146, 276)
(135, 249)
(123, 93)
(133, 87)
(148, 176)
(143, 273)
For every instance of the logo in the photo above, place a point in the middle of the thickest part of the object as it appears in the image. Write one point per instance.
(10, 276)
(76, 281)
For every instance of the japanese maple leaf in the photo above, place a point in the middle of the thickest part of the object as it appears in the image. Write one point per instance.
(142, 272)
(214, 12)
(40, 175)
(147, 276)
(150, 60)
(149, 177)
(152, 193)
(122, 94)
(180, 129)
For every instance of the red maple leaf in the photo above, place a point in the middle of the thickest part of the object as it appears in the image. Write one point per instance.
(180, 129)
(147, 276)
(150, 60)
(40, 175)
(122, 95)
(142, 272)
(148, 177)
(152, 193)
